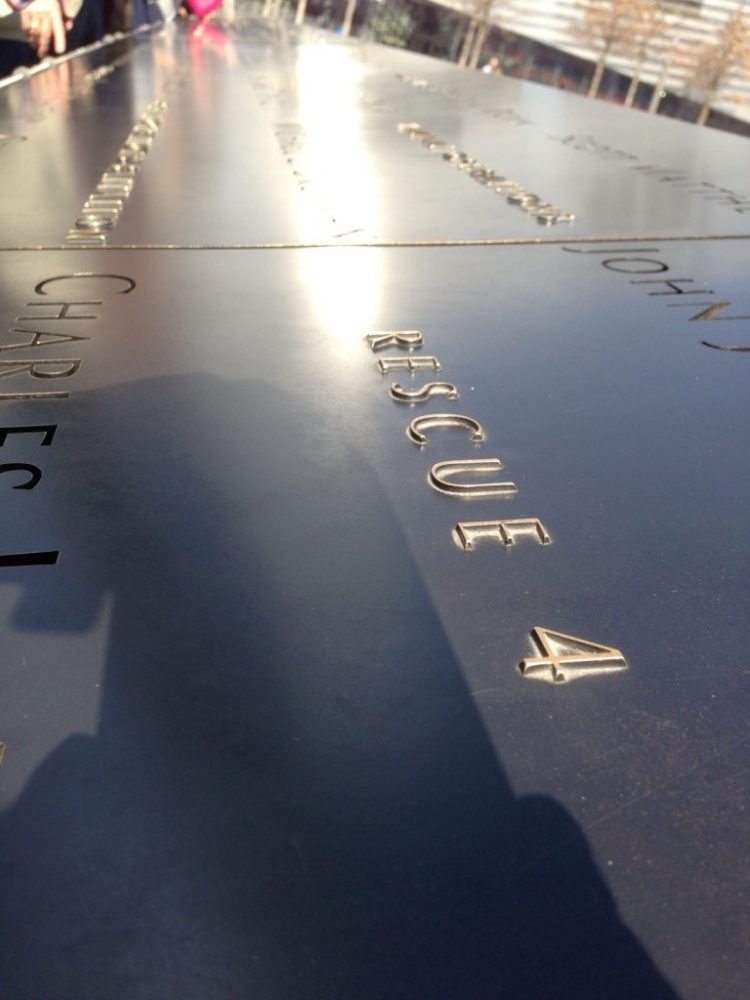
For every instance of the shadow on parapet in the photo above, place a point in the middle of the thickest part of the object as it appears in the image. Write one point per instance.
(290, 795)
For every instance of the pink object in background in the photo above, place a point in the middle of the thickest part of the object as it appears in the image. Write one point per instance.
(202, 7)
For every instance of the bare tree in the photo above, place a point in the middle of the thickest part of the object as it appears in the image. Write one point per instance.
(716, 61)
(468, 42)
(675, 57)
(484, 9)
(478, 28)
(653, 25)
(607, 24)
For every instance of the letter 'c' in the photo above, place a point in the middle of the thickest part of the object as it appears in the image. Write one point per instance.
(419, 424)
(34, 473)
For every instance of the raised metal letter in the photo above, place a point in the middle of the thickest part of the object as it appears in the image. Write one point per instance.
(423, 393)
(409, 364)
(473, 466)
(408, 339)
(568, 658)
(470, 533)
(414, 430)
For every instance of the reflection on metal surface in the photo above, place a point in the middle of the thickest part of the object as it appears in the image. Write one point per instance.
(469, 533)
(331, 161)
(568, 658)
(343, 292)
(2, 752)
(472, 467)
(321, 137)
(423, 393)
(408, 339)
(410, 365)
(427, 420)
(508, 115)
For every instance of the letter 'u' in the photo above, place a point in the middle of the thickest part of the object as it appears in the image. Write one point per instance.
(439, 473)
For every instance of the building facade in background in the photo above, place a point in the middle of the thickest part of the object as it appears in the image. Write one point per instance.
(671, 59)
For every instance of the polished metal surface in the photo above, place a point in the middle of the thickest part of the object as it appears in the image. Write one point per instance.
(288, 533)
(273, 136)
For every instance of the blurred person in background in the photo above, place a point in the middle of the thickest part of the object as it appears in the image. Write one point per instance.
(45, 23)
(29, 31)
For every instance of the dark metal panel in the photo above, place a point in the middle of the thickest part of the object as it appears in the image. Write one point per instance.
(312, 766)
(274, 137)
(620, 172)
(214, 172)
(54, 146)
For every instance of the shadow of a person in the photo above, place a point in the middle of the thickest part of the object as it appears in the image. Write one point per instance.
(290, 795)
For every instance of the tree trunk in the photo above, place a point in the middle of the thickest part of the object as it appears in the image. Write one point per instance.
(478, 44)
(636, 79)
(468, 39)
(704, 112)
(346, 27)
(706, 108)
(658, 87)
(455, 49)
(596, 79)
(299, 17)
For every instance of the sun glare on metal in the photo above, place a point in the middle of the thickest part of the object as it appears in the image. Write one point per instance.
(336, 173)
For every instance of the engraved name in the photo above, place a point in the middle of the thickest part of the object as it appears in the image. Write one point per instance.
(466, 478)
(706, 190)
(544, 212)
(47, 322)
(563, 657)
(102, 209)
(673, 292)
